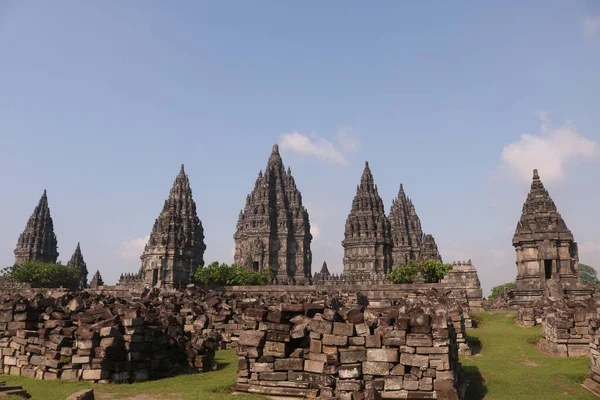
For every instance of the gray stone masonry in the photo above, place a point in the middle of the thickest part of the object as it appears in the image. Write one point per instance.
(38, 241)
(273, 230)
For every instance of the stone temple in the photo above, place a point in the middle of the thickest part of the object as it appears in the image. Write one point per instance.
(367, 238)
(78, 262)
(409, 242)
(273, 230)
(176, 246)
(38, 241)
(547, 255)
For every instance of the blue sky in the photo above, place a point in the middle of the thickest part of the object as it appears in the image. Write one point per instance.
(100, 103)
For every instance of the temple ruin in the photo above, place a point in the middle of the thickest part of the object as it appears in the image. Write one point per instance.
(176, 246)
(78, 262)
(367, 238)
(547, 255)
(38, 241)
(273, 230)
(409, 241)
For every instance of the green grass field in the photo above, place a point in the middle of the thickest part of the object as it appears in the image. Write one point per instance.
(509, 367)
(512, 367)
(207, 386)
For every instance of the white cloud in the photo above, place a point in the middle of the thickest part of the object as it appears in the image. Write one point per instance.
(132, 249)
(548, 151)
(315, 231)
(591, 25)
(348, 142)
(319, 147)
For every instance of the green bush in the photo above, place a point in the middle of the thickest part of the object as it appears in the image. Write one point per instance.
(216, 274)
(433, 271)
(403, 273)
(498, 291)
(43, 275)
(588, 275)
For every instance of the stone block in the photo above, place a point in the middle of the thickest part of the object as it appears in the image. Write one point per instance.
(314, 366)
(376, 368)
(382, 355)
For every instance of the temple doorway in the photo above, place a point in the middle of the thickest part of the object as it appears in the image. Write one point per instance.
(548, 269)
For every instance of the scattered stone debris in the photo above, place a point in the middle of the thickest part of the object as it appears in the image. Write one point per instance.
(13, 391)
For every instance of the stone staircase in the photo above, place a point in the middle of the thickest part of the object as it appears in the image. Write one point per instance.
(6, 391)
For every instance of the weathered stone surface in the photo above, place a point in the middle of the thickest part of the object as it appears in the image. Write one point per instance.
(38, 241)
(271, 221)
(176, 246)
(386, 355)
(367, 238)
(547, 254)
(409, 242)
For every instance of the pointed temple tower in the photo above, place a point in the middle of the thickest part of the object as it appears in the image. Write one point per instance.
(96, 281)
(410, 244)
(176, 246)
(38, 241)
(547, 255)
(367, 238)
(78, 261)
(273, 230)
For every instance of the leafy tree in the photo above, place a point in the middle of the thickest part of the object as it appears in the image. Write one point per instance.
(588, 275)
(498, 291)
(403, 273)
(43, 275)
(216, 274)
(434, 270)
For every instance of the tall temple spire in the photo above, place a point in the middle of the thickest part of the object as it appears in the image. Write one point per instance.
(176, 246)
(273, 230)
(367, 238)
(38, 241)
(324, 269)
(410, 244)
(78, 262)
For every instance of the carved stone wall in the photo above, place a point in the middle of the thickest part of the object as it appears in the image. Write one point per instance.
(273, 230)
(547, 255)
(38, 241)
(367, 238)
(176, 246)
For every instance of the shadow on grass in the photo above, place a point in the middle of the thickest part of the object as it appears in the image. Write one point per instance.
(476, 389)
(221, 365)
(474, 344)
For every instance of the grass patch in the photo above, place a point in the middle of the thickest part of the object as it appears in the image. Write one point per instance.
(510, 366)
(206, 386)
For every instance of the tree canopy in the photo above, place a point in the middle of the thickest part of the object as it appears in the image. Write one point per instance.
(216, 274)
(43, 275)
(498, 291)
(588, 275)
(433, 271)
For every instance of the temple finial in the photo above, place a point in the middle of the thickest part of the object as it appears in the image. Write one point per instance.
(275, 149)
(535, 174)
(182, 170)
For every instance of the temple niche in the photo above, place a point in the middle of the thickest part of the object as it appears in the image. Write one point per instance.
(273, 230)
(367, 238)
(547, 254)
